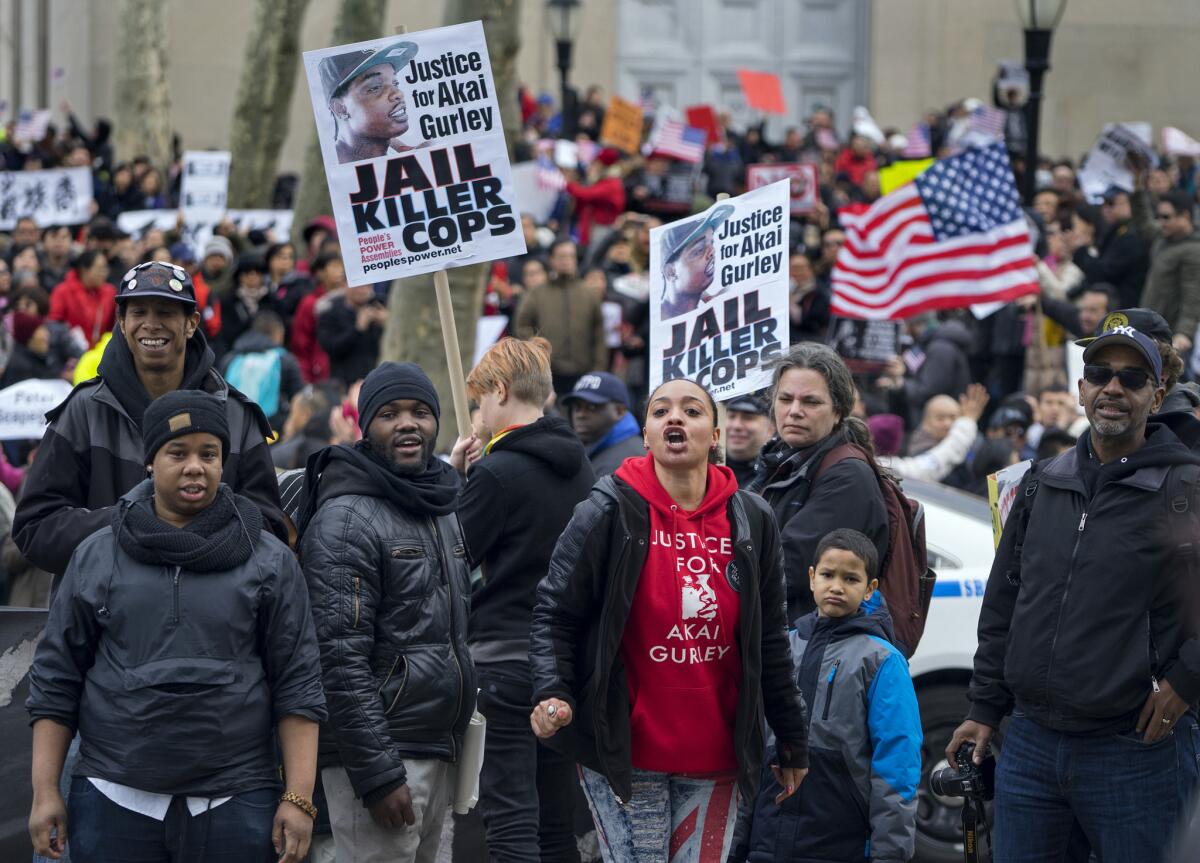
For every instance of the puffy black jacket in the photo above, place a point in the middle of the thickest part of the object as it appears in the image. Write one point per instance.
(1088, 600)
(580, 616)
(945, 371)
(517, 500)
(390, 598)
(174, 678)
(807, 508)
(92, 454)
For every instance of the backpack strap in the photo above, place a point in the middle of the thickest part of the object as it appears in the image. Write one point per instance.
(1030, 484)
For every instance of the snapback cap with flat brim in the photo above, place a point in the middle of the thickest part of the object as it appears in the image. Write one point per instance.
(339, 70)
(157, 279)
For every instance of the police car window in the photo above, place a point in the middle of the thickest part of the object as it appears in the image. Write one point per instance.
(939, 559)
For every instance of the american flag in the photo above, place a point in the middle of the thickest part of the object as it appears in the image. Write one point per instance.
(674, 139)
(988, 121)
(31, 126)
(918, 143)
(953, 237)
(548, 176)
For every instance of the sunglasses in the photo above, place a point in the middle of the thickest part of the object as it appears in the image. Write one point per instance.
(1130, 379)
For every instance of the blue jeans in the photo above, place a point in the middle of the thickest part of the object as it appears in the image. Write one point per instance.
(238, 831)
(1057, 795)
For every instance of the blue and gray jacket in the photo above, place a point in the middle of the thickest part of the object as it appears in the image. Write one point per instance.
(859, 800)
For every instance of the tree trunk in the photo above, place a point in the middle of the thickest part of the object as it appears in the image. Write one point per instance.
(412, 331)
(260, 119)
(143, 101)
(357, 21)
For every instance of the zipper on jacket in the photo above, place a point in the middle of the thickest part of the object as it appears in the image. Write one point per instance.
(1062, 603)
(437, 535)
(829, 689)
(357, 602)
(175, 615)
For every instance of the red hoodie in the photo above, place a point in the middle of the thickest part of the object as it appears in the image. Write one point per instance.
(680, 649)
(94, 312)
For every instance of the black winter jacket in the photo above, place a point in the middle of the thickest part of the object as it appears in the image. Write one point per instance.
(578, 623)
(351, 353)
(945, 371)
(1122, 261)
(845, 495)
(1087, 602)
(390, 598)
(517, 500)
(173, 678)
(92, 454)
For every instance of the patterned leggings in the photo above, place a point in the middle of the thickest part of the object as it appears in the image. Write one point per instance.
(673, 818)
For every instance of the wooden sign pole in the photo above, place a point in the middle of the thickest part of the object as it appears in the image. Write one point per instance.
(458, 381)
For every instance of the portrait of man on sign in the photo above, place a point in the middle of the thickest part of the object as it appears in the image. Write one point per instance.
(689, 262)
(370, 111)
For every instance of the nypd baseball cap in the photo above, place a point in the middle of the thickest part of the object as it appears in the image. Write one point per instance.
(157, 279)
(598, 388)
(749, 404)
(1129, 337)
(1145, 321)
(339, 70)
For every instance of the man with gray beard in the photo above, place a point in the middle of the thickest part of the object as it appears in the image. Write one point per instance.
(1088, 636)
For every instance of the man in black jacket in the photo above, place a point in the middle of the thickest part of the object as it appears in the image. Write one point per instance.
(1122, 257)
(388, 576)
(517, 501)
(349, 331)
(91, 454)
(1086, 634)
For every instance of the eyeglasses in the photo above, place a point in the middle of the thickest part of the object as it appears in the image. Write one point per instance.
(1162, 217)
(1130, 379)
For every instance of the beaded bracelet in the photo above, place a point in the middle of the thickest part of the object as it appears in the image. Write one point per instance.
(306, 806)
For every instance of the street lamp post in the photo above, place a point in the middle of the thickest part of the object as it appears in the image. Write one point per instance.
(563, 18)
(1039, 18)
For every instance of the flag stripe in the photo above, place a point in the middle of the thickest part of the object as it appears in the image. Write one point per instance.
(974, 267)
(954, 293)
(1007, 237)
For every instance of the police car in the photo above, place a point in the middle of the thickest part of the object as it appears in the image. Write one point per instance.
(958, 534)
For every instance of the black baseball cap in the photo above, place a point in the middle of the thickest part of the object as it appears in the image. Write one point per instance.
(157, 279)
(1146, 321)
(598, 388)
(1128, 336)
(339, 70)
(750, 404)
(679, 237)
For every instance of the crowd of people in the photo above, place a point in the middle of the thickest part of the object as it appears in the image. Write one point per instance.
(714, 645)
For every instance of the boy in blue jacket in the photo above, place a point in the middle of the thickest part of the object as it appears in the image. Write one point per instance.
(859, 800)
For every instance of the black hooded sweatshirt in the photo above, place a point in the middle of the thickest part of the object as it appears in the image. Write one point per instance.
(517, 500)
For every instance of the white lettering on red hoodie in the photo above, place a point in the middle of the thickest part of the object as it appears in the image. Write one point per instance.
(680, 645)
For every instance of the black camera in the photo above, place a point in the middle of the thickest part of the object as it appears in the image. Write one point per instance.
(975, 784)
(965, 778)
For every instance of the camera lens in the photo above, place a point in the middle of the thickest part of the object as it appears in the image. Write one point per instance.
(946, 782)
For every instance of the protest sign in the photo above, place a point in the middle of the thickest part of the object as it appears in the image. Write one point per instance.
(719, 293)
(23, 407)
(1012, 75)
(671, 193)
(488, 330)
(622, 126)
(1176, 142)
(895, 175)
(197, 233)
(763, 91)
(414, 153)
(802, 179)
(1105, 164)
(705, 117)
(204, 186)
(537, 196)
(866, 346)
(1002, 494)
(62, 196)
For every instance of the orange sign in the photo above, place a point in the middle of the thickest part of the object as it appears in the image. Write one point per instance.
(622, 125)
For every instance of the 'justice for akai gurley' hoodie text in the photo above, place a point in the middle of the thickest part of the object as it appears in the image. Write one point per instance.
(680, 647)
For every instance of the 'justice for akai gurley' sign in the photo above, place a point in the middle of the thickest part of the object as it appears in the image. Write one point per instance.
(414, 153)
(719, 293)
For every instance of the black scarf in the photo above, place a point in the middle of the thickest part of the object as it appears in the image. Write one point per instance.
(120, 374)
(432, 492)
(216, 540)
